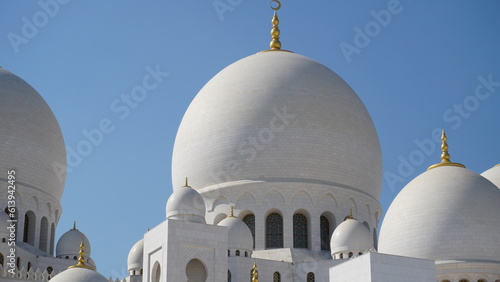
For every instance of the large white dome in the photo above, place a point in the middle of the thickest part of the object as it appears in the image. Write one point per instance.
(278, 116)
(31, 141)
(446, 213)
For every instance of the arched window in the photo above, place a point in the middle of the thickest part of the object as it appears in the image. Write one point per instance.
(196, 271)
(350, 254)
(1, 259)
(445, 281)
(228, 253)
(156, 274)
(29, 266)
(50, 269)
(29, 228)
(249, 220)
(237, 253)
(299, 231)
(274, 231)
(18, 263)
(310, 277)
(228, 276)
(481, 280)
(75, 257)
(276, 277)
(44, 234)
(324, 233)
(463, 280)
(375, 240)
(246, 254)
(341, 256)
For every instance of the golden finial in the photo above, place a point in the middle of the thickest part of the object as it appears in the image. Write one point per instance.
(74, 225)
(497, 165)
(231, 212)
(81, 259)
(445, 156)
(255, 273)
(186, 184)
(350, 215)
(275, 31)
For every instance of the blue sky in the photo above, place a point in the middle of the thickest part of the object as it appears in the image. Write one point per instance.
(417, 66)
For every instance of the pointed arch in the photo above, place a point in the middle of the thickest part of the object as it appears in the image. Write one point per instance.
(329, 199)
(275, 198)
(33, 200)
(301, 199)
(246, 201)
(156, 272)
(220, 201)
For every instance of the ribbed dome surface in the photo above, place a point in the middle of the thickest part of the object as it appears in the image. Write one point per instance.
(278, 116)
(31, 141)
(446, 213)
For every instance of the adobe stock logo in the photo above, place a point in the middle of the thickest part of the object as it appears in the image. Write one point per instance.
(224, 6)
(363, 37)
(31, 26)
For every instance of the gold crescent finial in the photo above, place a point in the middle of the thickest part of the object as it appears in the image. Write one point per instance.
(445, 156)
(231, 212)
(81, 259)
(275, 44)
(278, 5)
(186, 184)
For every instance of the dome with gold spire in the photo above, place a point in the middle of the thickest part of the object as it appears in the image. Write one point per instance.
(278, 116)
(80, 272)
(444, 206)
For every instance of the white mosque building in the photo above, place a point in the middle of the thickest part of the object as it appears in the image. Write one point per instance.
(282, 171)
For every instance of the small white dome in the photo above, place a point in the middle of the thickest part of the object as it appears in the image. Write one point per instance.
(493, 175)
(79, 274)
(69, 244)
(135, 256)
(239, 235)
(186, 204)
(445, 213)
(351, 235)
